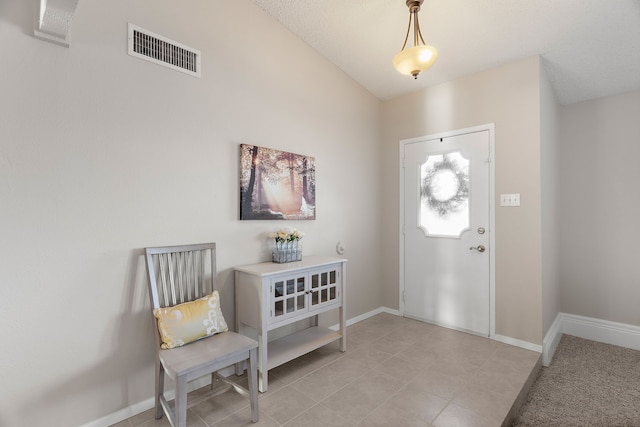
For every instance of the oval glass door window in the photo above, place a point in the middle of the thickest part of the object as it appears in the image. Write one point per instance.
(444, 195)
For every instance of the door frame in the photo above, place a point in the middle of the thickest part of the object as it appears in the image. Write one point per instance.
(490, 127)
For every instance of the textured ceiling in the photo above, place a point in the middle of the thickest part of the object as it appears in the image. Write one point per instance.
(590, 48)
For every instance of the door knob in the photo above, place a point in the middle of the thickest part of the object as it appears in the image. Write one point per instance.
(480, 248)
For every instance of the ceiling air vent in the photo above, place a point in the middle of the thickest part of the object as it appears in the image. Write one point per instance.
(160, 50)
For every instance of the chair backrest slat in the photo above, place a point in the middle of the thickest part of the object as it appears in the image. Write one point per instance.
(172, 278)
(188, 273)
(200, 277)
(179, 274)
(162, 268)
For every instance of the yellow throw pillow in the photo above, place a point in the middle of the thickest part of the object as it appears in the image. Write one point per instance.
(190, 321)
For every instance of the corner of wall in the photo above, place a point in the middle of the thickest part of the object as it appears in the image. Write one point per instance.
(551, 340)
(614, 333)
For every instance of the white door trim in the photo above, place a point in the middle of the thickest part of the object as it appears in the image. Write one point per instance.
(490, 127)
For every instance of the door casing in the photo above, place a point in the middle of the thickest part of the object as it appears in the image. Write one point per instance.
(490, 127)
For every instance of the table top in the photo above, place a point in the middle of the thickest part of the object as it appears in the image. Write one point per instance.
(267, 268)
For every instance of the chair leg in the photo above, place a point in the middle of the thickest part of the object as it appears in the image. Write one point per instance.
(181, 402)
(252, 376)
(159, 388)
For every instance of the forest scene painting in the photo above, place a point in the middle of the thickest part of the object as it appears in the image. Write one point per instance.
(276, 184)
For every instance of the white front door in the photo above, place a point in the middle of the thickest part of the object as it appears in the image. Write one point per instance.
(446, 192)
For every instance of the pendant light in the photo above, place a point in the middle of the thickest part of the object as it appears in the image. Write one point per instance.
(412, 61)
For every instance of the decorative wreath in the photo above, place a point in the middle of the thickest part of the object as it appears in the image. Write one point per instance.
(452, 204)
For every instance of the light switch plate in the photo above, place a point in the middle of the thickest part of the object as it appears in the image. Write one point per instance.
(510, 199)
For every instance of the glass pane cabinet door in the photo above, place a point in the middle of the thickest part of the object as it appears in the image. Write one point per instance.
(294, 294)
(288, 296)
(324, 287)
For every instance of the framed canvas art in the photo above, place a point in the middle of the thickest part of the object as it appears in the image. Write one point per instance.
(276, 184)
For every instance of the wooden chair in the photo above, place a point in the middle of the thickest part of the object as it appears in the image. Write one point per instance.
(179, 274)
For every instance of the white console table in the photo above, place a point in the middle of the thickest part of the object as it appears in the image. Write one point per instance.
(271, 295)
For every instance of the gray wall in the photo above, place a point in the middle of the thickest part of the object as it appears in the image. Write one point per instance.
(599, 205)
(102, 154)
(508, 96)
(549, 111)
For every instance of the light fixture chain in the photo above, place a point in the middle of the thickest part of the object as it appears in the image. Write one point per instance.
(416, 25)
(407, 36)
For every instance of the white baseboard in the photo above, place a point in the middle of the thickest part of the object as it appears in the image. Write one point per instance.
(372, 313)
(365, 316)
(145, 405)
(122, 414)
(391, 311)
(620, 334)
(551, 340)
(518, 343)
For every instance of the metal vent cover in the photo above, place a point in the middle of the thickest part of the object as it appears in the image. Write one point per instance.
(155, 48)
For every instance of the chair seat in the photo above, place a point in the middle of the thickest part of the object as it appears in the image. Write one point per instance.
(221, 350)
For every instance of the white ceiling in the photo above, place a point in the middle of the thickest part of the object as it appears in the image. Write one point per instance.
(590, 48)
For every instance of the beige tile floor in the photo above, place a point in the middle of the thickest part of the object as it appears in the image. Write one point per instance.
(396, 372)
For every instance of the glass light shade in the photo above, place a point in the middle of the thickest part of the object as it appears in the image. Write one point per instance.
(413, 60)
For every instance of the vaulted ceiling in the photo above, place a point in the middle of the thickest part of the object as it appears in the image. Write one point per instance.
(590, 48)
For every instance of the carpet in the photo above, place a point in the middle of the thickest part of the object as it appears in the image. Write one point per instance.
(588, 384)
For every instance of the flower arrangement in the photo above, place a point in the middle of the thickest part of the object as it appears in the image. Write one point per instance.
(287, 234)
(287, 247)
